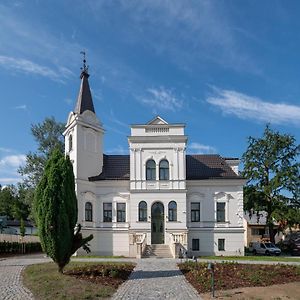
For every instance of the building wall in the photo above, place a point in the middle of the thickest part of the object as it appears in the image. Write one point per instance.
(113, 238)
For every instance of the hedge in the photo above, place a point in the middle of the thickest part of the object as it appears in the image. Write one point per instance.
(21, 248)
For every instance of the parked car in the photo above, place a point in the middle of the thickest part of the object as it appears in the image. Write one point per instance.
(295, 247)
(265, 248)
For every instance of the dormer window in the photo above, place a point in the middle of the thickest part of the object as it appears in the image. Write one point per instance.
(70, 142)
(164, 170)
(151, 170)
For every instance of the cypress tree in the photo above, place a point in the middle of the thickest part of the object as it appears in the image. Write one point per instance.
(56, 211)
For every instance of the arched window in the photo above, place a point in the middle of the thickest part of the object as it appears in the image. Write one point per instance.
(143, 211)
(172, 211)
(88, 212)
(151, 170)
(164, 170)
(70, 142)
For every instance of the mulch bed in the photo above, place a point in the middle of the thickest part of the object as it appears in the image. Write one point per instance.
(230, 275)
(109, 275)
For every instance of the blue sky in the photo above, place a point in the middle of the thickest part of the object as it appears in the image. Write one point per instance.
(225, 68)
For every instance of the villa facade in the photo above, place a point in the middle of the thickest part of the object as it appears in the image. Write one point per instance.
(155, 195)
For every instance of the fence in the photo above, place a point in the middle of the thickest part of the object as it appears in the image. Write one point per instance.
(18, 238)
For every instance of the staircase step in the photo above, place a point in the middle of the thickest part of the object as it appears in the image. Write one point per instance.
(158, 250)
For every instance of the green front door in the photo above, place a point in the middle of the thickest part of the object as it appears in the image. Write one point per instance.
(157, 224)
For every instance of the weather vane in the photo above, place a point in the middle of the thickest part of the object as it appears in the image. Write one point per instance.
(85, 67)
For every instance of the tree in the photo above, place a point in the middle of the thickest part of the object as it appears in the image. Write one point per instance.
(56, 211)
(48, 135)
(271, 166)
(7, 200)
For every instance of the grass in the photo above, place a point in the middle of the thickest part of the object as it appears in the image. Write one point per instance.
(231, 275)
(253, 258)
(45, 282)
(97, 256)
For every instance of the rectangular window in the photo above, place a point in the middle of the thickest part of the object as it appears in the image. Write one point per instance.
(221, 212)
(195, 212)
(121, 212)
(258, 231)
(221, 244)
(107, 212)
(195, 244)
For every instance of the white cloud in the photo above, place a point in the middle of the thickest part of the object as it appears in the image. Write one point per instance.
(13, 161)
(248, 107)
(8, 150)
(27, 66)
(162, 98)
(190, 32)
(9, 180)
(8, 168)
(23, 106)
(118, 150)
(202, 149)
(69, 101)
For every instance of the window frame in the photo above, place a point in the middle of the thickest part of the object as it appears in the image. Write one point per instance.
(143, 212)
(172, 211)
(195, 217)
(221, 244)
(121, 213)
(164, 172)
(151, 170)
(195, 245)
(221, 213)
(107, 213)
(88, 212)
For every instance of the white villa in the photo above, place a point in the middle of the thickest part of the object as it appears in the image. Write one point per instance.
(156, 195)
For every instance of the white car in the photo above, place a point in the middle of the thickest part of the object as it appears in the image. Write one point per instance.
(265, 248)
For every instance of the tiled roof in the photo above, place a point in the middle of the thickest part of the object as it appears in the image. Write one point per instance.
(117, 167)
(202, 166)
(84, 100)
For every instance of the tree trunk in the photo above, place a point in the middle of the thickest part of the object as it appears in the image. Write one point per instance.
(271, 233)
(61, 269)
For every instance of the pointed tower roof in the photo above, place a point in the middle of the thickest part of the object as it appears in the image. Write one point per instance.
(84, 100)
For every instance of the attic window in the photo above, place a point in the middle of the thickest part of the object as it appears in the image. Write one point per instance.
(157, 129)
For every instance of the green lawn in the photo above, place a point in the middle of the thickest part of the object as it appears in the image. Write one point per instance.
(255, 258)
(97, 256)
(45, 282)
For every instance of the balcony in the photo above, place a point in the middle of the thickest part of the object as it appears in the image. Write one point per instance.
(157, 185)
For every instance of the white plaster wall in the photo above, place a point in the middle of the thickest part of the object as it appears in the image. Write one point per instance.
(208, 240)
(107, 242)
(164, 198)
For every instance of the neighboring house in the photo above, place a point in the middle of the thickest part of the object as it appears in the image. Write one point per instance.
(8, 226)
(256, 228)
(30, 229)
(155, 195)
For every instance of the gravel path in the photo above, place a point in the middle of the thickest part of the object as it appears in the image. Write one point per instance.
(11, 287)
(156, 279)
(152, 278)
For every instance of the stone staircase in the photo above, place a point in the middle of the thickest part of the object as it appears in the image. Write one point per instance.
(158, 250)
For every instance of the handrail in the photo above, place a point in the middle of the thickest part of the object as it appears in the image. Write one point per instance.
(141, 243)
(178, 243)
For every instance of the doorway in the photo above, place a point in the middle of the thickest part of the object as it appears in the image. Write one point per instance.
(157, 223)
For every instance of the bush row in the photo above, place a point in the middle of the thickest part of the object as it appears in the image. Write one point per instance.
(15, 247)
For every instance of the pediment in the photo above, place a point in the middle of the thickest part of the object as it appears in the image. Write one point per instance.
(157, 121)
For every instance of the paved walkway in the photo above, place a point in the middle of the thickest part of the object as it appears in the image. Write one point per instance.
(153, 278)
(156, 279)
(11, 287)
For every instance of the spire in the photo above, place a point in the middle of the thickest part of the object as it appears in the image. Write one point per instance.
(84, 100)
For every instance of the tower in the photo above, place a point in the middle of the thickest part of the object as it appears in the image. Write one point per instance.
(84, 133)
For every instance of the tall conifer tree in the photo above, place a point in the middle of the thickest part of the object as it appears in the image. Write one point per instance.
(56, 210)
